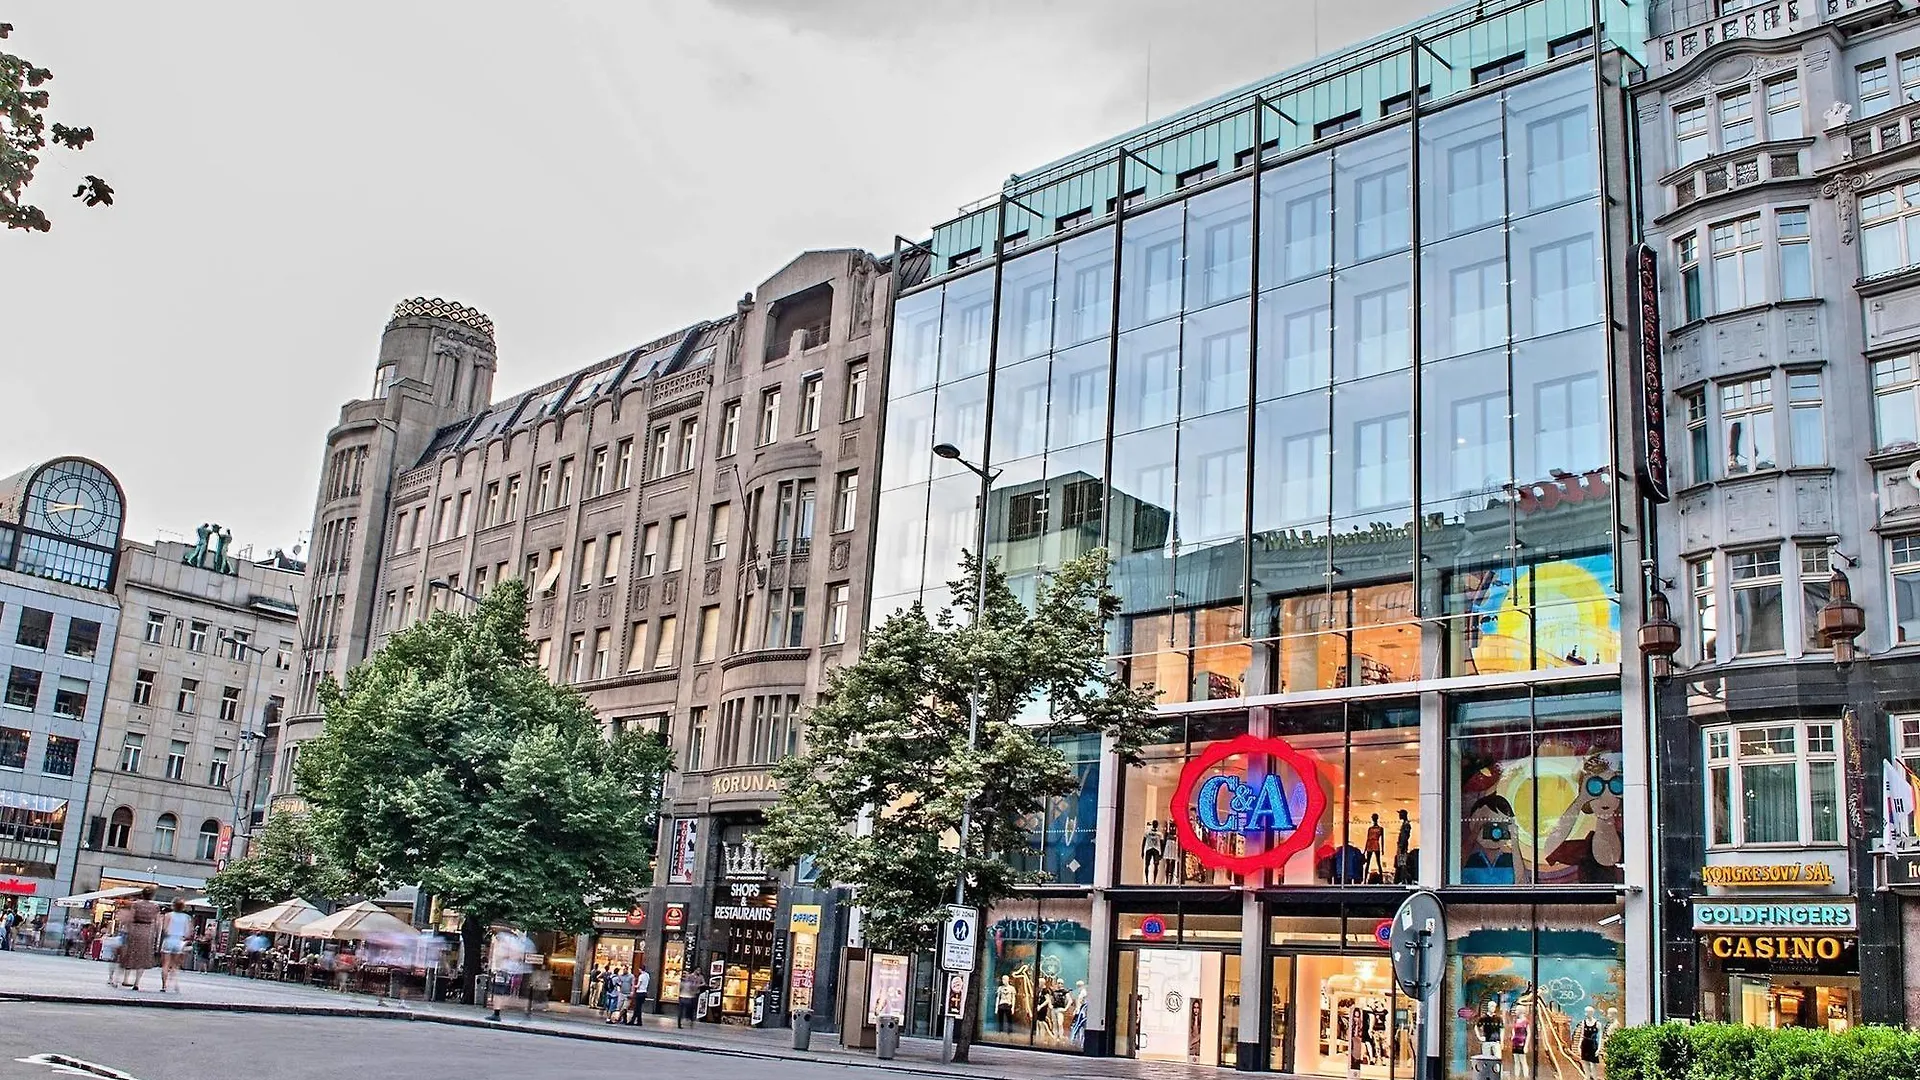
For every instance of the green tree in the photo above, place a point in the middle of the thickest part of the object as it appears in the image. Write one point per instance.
(23, 134)
(449, 760)
(887, 744)
(283, 861)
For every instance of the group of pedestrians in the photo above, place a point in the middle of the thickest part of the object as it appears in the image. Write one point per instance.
(623, 994)
(143, 936)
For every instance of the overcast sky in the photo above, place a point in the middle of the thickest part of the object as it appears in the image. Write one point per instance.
(590, 174)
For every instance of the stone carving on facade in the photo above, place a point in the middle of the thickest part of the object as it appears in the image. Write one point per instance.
(640, 597)
(777, 576)
(849, 447)
(701, 683)
(1751, 512)
(546, 615)
(1732, 69)
(1816, 59)
(838, 555)
(1844, 190)
(711, 585)
(579, 613)
(670, 591)
(1813, 503)
(1767, 65)
(606, 604)
(1837, 115)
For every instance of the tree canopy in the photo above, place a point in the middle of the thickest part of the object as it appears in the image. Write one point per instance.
(24, 132)
(450, 760)
(282, 862)
(887, 746)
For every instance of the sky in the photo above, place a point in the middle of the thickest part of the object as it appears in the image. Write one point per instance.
(590, 174)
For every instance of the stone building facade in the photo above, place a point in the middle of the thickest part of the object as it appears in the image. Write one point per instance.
(1779, 148)
(203, 665)
(691, 519)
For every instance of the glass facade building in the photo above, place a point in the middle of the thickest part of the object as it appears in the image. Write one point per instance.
(1328, 368)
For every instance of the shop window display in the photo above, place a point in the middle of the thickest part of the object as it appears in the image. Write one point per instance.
(1557, 614)
(1035, 971)
(1535, 791)
(1535, 989)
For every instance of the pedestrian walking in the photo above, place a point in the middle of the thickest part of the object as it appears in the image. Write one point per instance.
(642, 985)
(140, 948)
(622, 990)
(690, 989)
(173, 944)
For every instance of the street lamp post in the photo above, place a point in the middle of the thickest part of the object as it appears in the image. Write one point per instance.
(442, 583)
(952, 453)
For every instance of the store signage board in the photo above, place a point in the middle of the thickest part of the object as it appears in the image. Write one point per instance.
(1773, 915)
(803, 919)
(960, 939)
(1768, 875)
(675, 917)
(1260, 790)
(1901, 870)
(1643, 268)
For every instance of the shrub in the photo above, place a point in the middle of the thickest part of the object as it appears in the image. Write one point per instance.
(1677, 1051)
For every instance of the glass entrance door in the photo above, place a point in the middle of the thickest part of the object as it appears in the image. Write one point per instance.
(1179, 1005)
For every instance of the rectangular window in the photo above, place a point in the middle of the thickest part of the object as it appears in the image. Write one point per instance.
(23, 688)
(637, 647)
(810, 388)
(36, 629)
(1816, 575)
(156, 627)
(846, 500)
(1381, 475)
(1783, 108)
(676, 543)
(837, 613)
(1796, 258)
(623, 464)
(577, 657)
(1890, 229)
(649, 548)
(463, 519)
(1736, 119)
(786, 618)
(611, 569)
(70, 698)
(855, 405)
(665, 642)
(1757, 602)
(1564, 290)
(130, 747)
(400, 533)
(1477, 296)
(696, 738)
(229, 703)
(143, 687)
(729, 428)
(13, 748)
(1559, 159)
(597, 465)
(1776, 783)
(83, 638)
(717, 524)
(1737, 253)
(1876, 90)
(1896, 402)
(188, 696)
(490, 506)
(1476, 182)
(1690, 132)
(769, 417)
(1309, 235)
(563, 483)
(1746, 426)
(707, 644)
(217, 768)
(803, 519)
(543, 488)
(1706, 619)
(177, 760)
(1382, 212)
(62, 755)
(1495, 69)
(1805, 425)
(1692, 298)
(602, 653)
(659, 459)
(1904, 558)
(283, 655)
(1699, 441)
(589, 562)
(689, 444)
(1382, 341)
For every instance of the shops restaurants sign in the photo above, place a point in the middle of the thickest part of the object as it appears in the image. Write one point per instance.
(1248, 804)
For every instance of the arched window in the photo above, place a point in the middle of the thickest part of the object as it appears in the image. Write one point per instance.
(120, 828)
(209, 839)
(164, 831)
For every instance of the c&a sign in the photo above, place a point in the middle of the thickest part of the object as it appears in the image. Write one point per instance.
(1268, 795)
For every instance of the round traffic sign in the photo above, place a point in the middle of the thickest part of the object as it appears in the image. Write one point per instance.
(1419, 942)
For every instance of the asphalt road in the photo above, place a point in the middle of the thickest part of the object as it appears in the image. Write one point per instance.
(159, 1044)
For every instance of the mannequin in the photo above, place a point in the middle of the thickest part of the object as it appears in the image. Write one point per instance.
(1170, 856)
(1402, 843)
(1356, 1038)
(1376, 855)
(1590, 1033)
(1522, 1043)
(1490, 1027)
(1150, 853)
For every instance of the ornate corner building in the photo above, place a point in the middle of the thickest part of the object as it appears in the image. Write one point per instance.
(691, 517)
(1779, 148)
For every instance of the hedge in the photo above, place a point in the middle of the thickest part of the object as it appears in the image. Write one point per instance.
(1674, 1051)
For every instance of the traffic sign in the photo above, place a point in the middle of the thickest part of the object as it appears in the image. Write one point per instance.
(959, 939)
(1418, 941)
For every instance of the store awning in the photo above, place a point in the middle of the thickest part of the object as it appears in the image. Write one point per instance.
(148, 877)
(85, 898)
(200, 903)
(552, 575)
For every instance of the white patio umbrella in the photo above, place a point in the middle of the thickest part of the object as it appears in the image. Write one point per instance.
(287, 917)
(357, 923)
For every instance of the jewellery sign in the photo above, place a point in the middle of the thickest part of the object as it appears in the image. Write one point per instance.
(1248, 804)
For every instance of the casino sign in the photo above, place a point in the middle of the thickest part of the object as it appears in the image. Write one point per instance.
(1274, 802)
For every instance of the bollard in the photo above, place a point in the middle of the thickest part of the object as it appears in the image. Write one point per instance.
(887, 1042)
(802, 1029)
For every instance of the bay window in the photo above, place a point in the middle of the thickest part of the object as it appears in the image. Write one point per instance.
(1737, 276)
(1746, 426)
(1692, 299)
(1706, 621)
(1889, 229)
(1774, 783)
(1903, 558)
(1895, 419)
(1699, 443)
(1796, 256)
(1804, 421)
(1757, 606)
(1736, 119)
(1690, 131)
(1783, 108)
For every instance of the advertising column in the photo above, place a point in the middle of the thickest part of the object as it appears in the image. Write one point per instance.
(803, 923)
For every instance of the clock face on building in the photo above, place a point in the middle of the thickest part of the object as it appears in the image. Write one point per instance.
(77, 502)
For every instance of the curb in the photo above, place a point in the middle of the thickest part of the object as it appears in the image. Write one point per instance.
(366, 1013)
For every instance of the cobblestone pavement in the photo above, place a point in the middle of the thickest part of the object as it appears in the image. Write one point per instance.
(42, 976)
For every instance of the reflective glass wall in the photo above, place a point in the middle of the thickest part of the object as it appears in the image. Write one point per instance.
(1342, 423)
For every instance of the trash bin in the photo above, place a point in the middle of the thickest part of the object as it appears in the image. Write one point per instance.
(887, 1042)
(803, 1029)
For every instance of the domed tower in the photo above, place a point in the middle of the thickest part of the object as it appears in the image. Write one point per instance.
(435, 368)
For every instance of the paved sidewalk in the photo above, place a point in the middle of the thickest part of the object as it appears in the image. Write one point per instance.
(43, 977)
